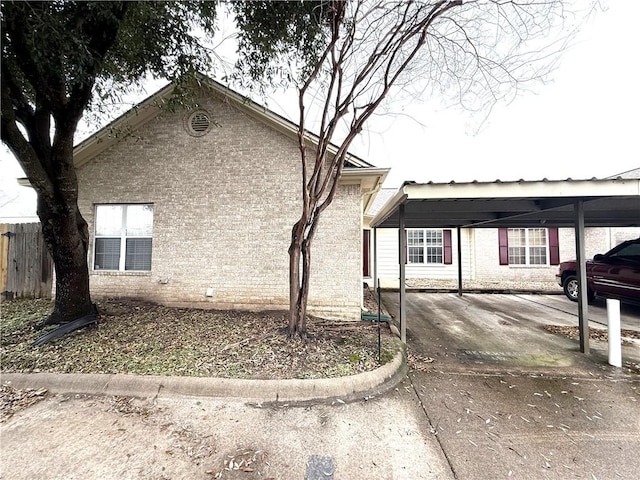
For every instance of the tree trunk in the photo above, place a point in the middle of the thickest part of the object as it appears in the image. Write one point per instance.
(295, 249)
(303, 296)
(67, 237)
(300, 251)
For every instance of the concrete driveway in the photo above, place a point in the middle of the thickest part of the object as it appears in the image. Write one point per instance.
(506, 399)
(506, 332)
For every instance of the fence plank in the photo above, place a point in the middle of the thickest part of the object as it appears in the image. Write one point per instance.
(29, 265)
(4, 256)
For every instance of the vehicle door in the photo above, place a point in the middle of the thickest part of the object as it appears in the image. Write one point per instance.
(617, 274)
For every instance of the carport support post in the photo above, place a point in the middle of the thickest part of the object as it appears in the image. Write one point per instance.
(583, 308)
(459, 235)
(403, 262)
(375, 258)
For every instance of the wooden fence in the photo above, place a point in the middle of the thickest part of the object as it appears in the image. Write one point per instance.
(26, 269)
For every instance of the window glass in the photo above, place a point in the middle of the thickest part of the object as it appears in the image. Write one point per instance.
(138, 255)
(538, 237)
(537, 255)
(139, 220)
(434, 246)
(416, 255)
(517, 237)
(434, 237)
(424, 246)
(415, 237)
(527, 246)
(123, 237)
(107, 254)
(537, 246)
(108, 220)
(434, 254)
(631, 250)
(517, 255)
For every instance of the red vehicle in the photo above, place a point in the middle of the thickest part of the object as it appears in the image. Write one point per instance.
(616, 274)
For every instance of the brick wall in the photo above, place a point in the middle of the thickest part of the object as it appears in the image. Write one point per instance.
(597, 240)
(224, 205)
(488, 266)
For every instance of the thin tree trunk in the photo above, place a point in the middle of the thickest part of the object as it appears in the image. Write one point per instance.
(300, 256)
(303, 294)
(294, 278)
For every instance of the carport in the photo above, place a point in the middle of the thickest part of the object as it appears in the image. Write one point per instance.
(521, 204)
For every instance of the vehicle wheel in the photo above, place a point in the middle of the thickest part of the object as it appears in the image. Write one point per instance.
(570, 287)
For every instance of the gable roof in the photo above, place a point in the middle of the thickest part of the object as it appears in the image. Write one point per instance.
(149, 108)
(356, 171)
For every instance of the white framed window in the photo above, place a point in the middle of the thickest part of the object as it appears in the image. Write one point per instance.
(425, 246)
(528, 246)
(123, 237)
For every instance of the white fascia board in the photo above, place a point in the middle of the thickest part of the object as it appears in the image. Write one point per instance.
(369, 178)
(525, 189)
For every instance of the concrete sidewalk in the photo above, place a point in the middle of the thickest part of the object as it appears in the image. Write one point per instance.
(436, 424)
(181, 431)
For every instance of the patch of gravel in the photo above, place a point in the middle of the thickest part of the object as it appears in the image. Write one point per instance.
(147, 339)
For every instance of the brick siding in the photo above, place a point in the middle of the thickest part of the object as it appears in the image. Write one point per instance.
(224, 205)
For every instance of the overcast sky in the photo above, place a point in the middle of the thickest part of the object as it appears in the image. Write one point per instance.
(584, 124)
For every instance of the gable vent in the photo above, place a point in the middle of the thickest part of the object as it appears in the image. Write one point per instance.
(198, 123)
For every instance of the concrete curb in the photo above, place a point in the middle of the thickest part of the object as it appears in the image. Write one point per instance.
(290, 390)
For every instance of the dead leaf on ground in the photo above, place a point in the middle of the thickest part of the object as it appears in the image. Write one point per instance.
(141, 338)
(599, 334)
(12, 400)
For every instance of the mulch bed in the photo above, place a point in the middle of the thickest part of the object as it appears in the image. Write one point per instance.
(147, 339)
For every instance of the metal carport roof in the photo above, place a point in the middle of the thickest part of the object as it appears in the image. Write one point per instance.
(544, 203)
(611, 202)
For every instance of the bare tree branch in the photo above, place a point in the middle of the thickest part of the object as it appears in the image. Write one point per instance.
(481, 50)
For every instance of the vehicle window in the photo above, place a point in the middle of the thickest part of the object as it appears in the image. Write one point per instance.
(630, 251)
